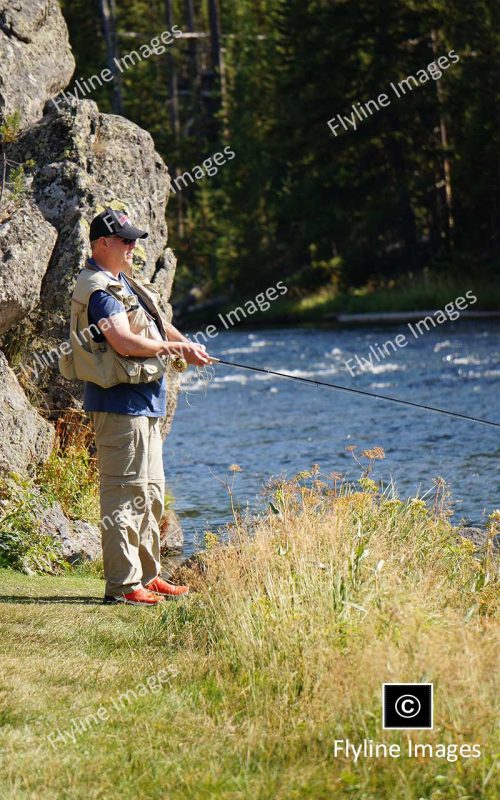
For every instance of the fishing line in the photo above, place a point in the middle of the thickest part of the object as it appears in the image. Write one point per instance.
(357, 391)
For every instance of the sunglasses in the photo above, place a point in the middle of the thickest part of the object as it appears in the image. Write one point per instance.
(125, 241)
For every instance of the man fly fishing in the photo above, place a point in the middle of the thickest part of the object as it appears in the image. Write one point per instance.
(119, 341)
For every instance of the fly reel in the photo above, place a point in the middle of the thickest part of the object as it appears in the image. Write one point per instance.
(178, 363)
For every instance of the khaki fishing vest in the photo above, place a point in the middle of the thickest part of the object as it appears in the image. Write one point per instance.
(84, 359)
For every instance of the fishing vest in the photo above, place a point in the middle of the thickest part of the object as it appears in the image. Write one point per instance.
(84, 359)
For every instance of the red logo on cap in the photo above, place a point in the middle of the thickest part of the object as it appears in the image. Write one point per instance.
(122, 218)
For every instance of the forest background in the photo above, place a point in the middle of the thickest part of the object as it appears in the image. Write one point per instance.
(410, 199)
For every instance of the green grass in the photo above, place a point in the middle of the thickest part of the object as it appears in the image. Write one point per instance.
(429, 292)
(282, 649)
(421, 295)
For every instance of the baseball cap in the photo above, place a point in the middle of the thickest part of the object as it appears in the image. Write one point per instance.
(114, 223)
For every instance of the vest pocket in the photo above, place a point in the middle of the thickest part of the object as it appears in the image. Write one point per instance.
(138, 320)
(67, 366)
(97, 367)
(107, 368)
(126, 371)
(138, 371)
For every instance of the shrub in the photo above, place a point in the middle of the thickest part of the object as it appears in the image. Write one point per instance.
(23, 546)
(68, 477)
(71, 474)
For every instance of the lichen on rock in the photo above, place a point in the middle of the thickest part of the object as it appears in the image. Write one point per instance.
(36, 60)
(26, 244)
(26, 438)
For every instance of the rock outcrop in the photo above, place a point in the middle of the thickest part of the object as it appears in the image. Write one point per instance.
(36, 60)
(25, 437)
(65, 162)
(78, 541)
(26, 244)
(85, 161)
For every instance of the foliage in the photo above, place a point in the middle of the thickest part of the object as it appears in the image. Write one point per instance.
(13, 177)
(336, 583)
(22, 545)
(413, 187)
(72, 477)
(69, 477)
(9, 129)
(322, 305)
(70, 474)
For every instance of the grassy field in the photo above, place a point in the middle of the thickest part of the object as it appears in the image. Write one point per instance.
(241, 689)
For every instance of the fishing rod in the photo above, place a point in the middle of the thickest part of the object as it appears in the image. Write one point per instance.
(354, 391)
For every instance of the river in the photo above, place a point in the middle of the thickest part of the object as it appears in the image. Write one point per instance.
(270, 426)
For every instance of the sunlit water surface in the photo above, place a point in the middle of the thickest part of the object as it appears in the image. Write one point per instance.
(270, 426)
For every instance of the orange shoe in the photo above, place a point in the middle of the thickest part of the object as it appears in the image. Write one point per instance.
(165, 589)
(139, 597)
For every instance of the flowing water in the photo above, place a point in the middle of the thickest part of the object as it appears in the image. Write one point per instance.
(270, 426)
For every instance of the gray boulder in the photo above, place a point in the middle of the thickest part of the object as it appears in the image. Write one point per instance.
(36, 60)
(85, 542)
(26, 244)
(26, 439)
(171, 534)
(78, 541)
(80, 161)
(478, 537)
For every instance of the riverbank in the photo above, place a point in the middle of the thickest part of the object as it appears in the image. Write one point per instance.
(242, 689)
(325, 305)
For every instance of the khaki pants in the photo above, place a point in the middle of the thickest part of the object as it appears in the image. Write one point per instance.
(129, 456)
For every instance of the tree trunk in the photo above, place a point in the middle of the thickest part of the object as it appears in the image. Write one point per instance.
(107, 13)
(214, 16)
(193, 78)
(216, 54)
(173, 85)
(173, 89)
(443, 133)
(192, 43)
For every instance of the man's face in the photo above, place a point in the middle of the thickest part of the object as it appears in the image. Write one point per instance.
(121, 250)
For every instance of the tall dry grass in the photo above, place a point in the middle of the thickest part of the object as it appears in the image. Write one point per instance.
(302, 616)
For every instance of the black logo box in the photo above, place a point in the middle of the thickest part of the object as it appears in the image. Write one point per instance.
(407, 706)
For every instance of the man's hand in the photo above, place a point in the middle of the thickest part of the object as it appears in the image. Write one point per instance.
(195, 354)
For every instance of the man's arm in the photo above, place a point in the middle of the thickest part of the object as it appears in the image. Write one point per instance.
(117, 331)
(173, 335)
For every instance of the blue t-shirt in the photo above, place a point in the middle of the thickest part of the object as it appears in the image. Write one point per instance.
(139, 399)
